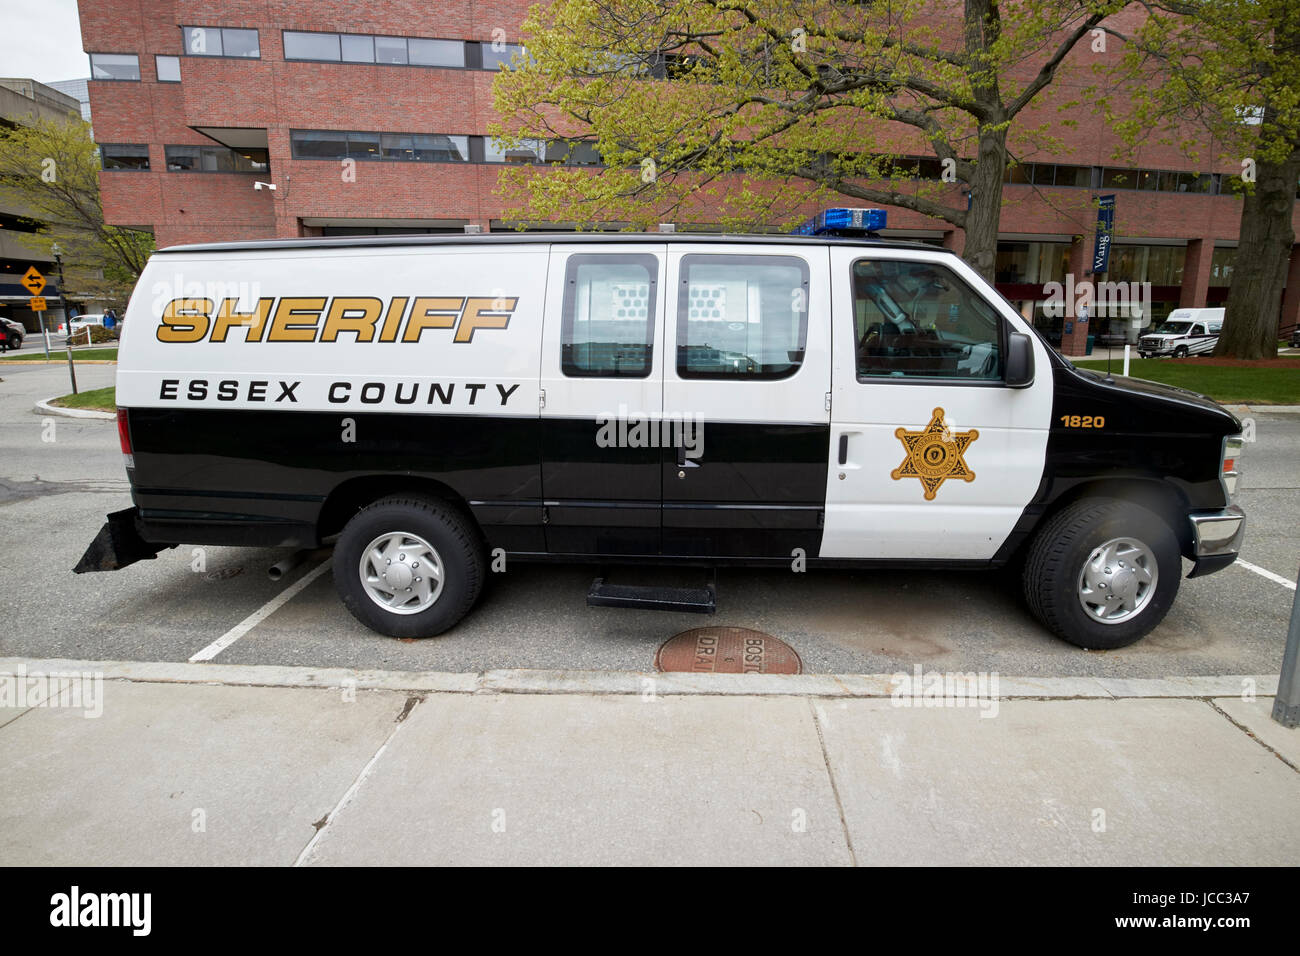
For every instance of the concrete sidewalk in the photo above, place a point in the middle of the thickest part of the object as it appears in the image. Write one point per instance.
(223, 764)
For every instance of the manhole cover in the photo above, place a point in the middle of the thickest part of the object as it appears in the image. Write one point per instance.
(727, 650)
(224, 573)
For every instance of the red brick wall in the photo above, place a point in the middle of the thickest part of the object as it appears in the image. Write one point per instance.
(273, 94)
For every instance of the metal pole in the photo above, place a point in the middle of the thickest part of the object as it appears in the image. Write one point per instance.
(72, 374)
(45, 334)
(1126, 360)
(1286, 705)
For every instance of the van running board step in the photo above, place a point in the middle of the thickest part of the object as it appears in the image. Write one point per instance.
(653, 597)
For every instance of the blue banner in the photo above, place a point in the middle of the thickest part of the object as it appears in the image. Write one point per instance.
(1105, 232)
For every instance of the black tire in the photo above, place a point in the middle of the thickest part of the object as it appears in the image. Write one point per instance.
(1056, 559)
(446, 529)
(1180, 352)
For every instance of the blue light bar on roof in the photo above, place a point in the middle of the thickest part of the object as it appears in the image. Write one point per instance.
(843, 222)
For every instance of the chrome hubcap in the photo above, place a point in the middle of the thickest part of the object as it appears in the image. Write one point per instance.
(1118, 580)
(401, 572)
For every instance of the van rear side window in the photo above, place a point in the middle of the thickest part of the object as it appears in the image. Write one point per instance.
(609, 315)
(741, 316)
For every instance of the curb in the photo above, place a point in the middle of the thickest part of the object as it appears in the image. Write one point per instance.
(45, 408)
(524, 681)
(1264, 409)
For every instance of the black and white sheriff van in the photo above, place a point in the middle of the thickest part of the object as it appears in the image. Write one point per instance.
(427, 402)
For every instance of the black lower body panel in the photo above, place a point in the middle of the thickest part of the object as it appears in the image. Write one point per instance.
(118, 544)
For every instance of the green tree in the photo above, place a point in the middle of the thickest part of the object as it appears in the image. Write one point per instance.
(1229, 67)
(51, 169)
(754, 107)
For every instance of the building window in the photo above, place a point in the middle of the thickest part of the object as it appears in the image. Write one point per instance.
(529, 151)
(1221, 266)
(133, 156)
(364, 48)
(498, 55)
(168, 68)
(356, 49)
(741, 317)
(352, 144)
(390, 50)
(215, 159)
(311, 46)
(436, 52)
(114, 66)
(221, 41)
(607, 325)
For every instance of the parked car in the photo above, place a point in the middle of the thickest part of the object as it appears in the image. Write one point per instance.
(1186, 332)
(11, 334)
(1295, 337)
(78, 325)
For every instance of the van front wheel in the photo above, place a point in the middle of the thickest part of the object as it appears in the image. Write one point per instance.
(408, 566)
(1102, 573)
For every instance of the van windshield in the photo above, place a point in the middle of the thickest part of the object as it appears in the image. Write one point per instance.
(1174, 328)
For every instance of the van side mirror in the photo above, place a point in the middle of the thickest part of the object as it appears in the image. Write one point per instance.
(1020, 360)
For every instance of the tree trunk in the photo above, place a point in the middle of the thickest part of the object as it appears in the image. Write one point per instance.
(1260, 267)
(981, 246)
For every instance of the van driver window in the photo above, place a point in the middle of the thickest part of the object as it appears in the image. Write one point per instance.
(607, 327)
(919, 319)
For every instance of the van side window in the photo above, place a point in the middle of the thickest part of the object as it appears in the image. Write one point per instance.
(741, 316)
(608, 325)
(919, 319)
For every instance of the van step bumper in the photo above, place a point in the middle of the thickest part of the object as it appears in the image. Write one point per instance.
(653, 597)
(118, 544)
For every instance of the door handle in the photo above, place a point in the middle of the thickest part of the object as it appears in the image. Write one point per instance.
(683, 461)
(844, 448)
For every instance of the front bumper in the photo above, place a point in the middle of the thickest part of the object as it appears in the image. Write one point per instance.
(1216, 539)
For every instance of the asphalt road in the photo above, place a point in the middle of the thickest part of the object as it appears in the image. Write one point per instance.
(55, 488)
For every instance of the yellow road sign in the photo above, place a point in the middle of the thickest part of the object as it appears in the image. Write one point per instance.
(33, 281)
(37, 303)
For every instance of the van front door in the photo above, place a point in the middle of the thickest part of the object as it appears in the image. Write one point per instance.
(602, 380)
(746, 378)
(934, 456)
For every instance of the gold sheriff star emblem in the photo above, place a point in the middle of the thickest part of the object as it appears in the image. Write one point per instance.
(934, 454)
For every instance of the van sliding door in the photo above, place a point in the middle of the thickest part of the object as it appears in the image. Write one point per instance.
(602, 376)
(747, 378)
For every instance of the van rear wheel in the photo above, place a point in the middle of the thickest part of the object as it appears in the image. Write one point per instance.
(408, 566)
(1102, 573)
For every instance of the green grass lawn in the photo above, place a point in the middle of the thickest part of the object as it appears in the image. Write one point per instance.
(100, 399)
(1247, 386)
(82, 354)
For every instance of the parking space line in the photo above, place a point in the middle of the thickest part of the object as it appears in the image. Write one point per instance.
(260, 615)
(1264, 572)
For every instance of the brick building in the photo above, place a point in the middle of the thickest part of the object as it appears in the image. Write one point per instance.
(196, 102)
